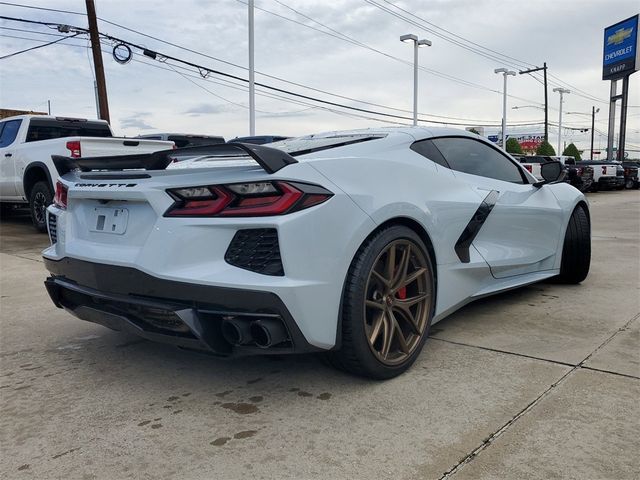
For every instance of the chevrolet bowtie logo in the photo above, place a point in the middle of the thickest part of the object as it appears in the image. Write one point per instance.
(620, 36)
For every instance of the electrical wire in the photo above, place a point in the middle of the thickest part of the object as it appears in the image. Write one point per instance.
(37, 46)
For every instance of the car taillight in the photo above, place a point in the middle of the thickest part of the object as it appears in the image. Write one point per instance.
(74, 148)
(245, 199)
(60, 198)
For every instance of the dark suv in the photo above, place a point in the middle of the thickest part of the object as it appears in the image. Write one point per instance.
(631, 174)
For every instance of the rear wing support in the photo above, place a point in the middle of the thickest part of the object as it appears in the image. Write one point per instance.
(270, 159)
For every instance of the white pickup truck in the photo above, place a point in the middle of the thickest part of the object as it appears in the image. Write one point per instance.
(27, 173)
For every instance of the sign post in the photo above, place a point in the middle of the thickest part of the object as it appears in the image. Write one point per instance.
(620, 58)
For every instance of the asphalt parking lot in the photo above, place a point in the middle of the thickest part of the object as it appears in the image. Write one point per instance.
(541, 382)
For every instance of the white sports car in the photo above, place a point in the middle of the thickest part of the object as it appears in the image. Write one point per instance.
(350, 243)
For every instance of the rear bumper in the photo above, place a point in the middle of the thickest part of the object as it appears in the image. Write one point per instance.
(610, 182)
(179, 313)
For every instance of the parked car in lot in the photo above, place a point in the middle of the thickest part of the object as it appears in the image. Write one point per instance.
(580, 177)
(184, 139)
(631, 174)
(349, 243)
(27, 174)
(259, 139)
(606, 175)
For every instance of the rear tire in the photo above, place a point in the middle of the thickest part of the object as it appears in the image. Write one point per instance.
(387, 307)
(576, 251)
(39, 199)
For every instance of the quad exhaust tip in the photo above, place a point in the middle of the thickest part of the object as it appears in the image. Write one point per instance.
(264, 333)
(236, 332)
(267, 333)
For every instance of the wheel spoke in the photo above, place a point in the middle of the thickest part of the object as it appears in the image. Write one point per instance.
(410, 302)
(398, 279)
(379, 276)
(408, 317)
(387, 336)
(402, 342)
(377, 328)
(372, 304)
(413, 276)
(391, 263)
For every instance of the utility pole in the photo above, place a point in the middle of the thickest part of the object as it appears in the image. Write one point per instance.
(561, 91)
(505, 73)
(103, 103)
(49, 106)
(546, 97)
(252, 86)
(594, 110)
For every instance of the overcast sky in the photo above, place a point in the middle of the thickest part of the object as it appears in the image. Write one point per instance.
(152, 96)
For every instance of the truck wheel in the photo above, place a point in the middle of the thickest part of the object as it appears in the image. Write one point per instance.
(388, 303)
(629, 184)
(576, 251)
(39, 199)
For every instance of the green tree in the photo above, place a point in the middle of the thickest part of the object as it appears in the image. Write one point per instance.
(545, 148)
(572, 151)
(513, 146)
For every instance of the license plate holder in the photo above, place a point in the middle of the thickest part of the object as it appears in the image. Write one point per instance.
(109, 220)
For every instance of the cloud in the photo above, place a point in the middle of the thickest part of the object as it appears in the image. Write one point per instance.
(205, 109)
(145, 93)
(135, 121)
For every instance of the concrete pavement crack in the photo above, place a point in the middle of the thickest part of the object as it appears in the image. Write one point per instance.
(491, 438)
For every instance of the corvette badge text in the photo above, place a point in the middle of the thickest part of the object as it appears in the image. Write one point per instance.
(125, 185)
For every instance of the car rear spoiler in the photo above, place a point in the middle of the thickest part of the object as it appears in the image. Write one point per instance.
(270, 159)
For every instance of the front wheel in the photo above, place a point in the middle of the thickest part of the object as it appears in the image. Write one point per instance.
(629, 184)
(388, 304)
(576, 250)
(39, 199)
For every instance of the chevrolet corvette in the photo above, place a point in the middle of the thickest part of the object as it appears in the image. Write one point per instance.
(349, 243)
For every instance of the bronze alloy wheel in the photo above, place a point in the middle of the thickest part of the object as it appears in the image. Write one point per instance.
(398, 298)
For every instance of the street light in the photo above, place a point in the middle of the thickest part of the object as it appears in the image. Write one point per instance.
(416, 44)
(561, 91)
(505, 73)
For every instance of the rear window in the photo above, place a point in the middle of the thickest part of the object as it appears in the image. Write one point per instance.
(47, 129)
(304, 145)
(194, 141)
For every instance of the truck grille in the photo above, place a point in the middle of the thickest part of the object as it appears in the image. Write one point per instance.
(257, 250)
(53, 227)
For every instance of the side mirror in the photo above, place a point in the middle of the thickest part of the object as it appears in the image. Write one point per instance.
(551, 172)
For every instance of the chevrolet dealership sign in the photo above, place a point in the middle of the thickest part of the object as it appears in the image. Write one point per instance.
(621, 56)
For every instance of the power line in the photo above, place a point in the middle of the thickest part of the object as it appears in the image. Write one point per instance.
(37, 46)
(339, 36)
(514, 62)
(165, 57)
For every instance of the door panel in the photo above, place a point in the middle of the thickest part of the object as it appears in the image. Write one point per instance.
(518, 226)
(521, 233)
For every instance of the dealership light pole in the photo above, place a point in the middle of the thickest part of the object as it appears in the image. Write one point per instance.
(252, 86)
(416, 44)
(561, 91)
(505, 73)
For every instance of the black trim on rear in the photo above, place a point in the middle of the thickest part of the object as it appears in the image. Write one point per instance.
(180, 313)
(270, 159)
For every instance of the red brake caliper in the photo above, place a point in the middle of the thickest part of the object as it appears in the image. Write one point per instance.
(402, 293)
